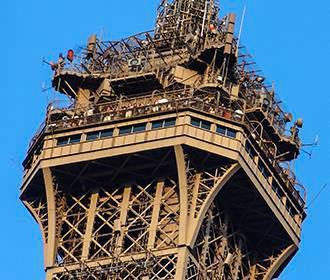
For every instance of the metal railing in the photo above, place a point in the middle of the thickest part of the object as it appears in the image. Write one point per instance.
(63, 117)
(116, 111)
(114, 56)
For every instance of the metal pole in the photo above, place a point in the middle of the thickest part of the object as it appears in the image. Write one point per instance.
(204, 19)
(241, 28)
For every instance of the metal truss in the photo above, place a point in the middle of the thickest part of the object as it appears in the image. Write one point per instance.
(162, 228)
(219, 252)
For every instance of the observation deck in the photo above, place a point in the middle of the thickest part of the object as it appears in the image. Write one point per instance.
(65, 128)
(172, 160)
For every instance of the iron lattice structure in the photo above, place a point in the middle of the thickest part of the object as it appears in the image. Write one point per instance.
(172, 162)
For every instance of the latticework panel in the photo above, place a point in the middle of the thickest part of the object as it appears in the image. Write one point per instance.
(153, 267)
(173, 227)
(107, 213)
(139, 215)
(133, 219)
(168, 222)
(71, 225)
(220, 252)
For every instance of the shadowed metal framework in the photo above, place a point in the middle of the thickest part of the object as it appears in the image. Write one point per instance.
(172, 160)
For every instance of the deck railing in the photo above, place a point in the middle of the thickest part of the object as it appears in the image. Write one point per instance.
(60, 117)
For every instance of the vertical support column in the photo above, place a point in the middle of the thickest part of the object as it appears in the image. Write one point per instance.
(90, 224)
(194, 198)
(182, 260)
(155, 215)
(51, 246)
(122, 219)
(181, 167)
(181, 266)
(253, 272)
(49, 275)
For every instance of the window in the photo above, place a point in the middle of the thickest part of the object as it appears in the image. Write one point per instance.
(62, 141)
(201, 123)
(163, 123)
(277, 190)
(231, 133)
(132, 128)
(221, 130)
(68, 140)
(195, 122)
(92, 135)
(139, 127)
(226, 131)
(157, 124)
(125, 130)
(263, 170)
(74, 139)
(99, 134)
(289, 208)
(169, 122)
(106, 133)
(249, 149)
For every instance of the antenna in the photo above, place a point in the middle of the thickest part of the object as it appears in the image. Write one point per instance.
(317, 195)
(308, 153)
(241, 27)
(314, 144)
(15, 162)
(44, 88)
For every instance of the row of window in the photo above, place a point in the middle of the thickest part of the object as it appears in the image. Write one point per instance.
(220, 129)
(264, 171)
(124, 130)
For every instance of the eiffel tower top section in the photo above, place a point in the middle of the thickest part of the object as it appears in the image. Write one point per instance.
(172, 162)
(186, 33)
(191, 54)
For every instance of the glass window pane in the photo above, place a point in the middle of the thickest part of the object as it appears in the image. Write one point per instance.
(263, 170)
(195, 122)
(139, 127)
(93, 135)
(125, 130)
(231, 133)
(62, 141)
(107, 133)
(221, 130)
(169, 122)
(75, 138)
(157, 124)
(206, 125)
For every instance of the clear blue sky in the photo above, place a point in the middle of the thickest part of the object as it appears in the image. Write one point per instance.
(289, 39)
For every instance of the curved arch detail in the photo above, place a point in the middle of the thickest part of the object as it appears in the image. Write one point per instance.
(50, 257)
(36, 217)
(291, 250)
(214, 192)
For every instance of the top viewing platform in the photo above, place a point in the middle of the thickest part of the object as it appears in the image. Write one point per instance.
(191, 60)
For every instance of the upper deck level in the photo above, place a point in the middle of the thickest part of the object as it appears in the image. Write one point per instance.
(192, 82)
(63, 123)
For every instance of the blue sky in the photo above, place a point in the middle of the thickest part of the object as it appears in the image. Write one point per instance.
(289, 39)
